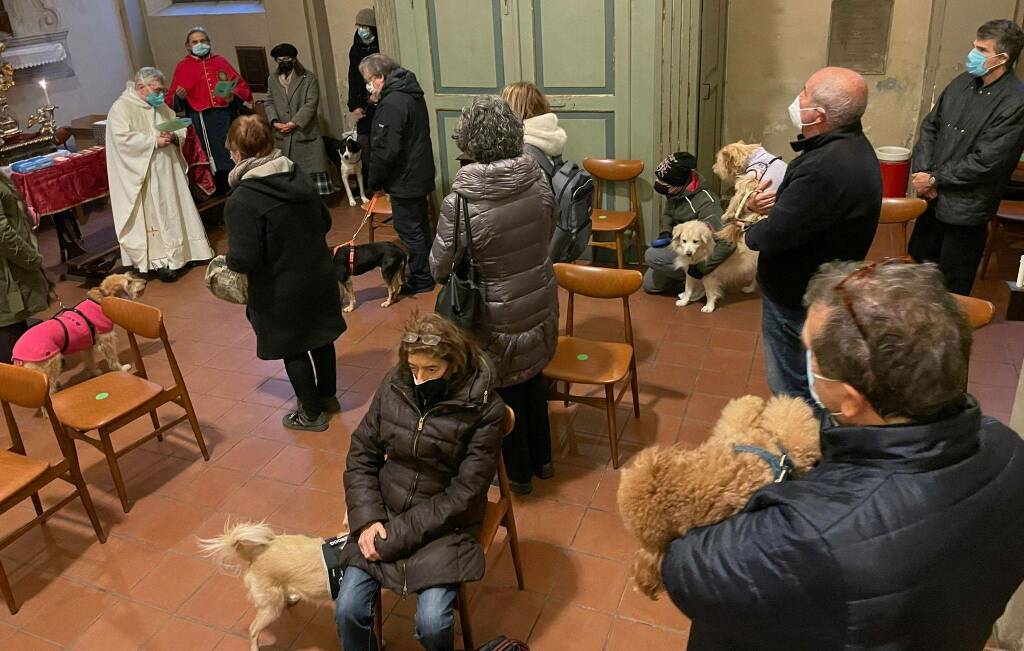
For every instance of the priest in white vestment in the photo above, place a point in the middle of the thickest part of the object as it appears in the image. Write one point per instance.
(158, 226)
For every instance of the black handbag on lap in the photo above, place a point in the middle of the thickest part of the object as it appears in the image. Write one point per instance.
(460, 300)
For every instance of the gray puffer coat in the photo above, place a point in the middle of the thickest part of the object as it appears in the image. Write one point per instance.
(512, 217)
(425, 476)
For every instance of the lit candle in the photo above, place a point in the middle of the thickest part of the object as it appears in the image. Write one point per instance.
(46, 93)
(1020, 273)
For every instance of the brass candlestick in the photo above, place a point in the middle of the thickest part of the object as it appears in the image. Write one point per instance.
(44, 118)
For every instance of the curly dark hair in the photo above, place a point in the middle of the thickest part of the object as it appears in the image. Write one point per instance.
(489, 130)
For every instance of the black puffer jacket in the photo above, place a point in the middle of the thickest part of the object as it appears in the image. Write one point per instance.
(425, 476)
(904, 537)
(357, 95)
(512, 216)
(971, 142)
(401, 157)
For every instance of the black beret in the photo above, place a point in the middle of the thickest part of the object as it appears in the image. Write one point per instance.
(284, 50)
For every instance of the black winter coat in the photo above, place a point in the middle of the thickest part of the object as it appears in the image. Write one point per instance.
(904, 537)
(827, 209)
(401, 157)
(971, 142)
(425, 477)
(357, 95)
(276, 226)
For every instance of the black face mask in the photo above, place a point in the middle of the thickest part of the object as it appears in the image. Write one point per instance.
(431, 392)
(285, 68)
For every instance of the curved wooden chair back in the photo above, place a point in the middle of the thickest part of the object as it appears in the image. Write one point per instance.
(137, 318)
(979, 312)
(598, 282)
(614, 170)
(25, 387)
(898, 210)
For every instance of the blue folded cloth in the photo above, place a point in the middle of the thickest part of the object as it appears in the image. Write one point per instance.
(32, 164)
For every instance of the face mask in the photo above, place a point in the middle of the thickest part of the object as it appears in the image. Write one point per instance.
(365, 35)
(665, 189)
(285, 68)
(794, 114)
(201, 49)
(431, 391)
(810, 387)
(976, 64)
(155, 98)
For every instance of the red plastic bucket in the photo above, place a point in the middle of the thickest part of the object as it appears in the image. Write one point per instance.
(895, 165)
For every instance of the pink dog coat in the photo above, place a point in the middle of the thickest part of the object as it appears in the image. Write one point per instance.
(70, 331)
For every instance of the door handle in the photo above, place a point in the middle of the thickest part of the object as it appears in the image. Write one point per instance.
(507, 3)
(705, 91)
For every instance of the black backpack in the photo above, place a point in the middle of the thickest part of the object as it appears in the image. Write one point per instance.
(573, 188)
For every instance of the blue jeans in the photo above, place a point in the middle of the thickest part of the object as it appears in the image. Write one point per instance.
(353, 614)
(785, 361)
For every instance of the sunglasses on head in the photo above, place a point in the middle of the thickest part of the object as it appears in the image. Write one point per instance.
(861, 273)
(416, 337)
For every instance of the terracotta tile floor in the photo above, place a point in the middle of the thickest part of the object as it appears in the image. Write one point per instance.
(149, 588)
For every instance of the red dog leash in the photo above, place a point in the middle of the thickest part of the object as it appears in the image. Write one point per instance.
(352, 249)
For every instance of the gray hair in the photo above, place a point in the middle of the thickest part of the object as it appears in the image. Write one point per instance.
(489, 130)
(378, 65)
(146, 73)
(842, 106)
(1008, 36)
(201, 30)
(911, 359)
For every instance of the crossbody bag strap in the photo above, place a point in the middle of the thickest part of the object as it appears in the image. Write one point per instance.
(469, 237)
(455, 254)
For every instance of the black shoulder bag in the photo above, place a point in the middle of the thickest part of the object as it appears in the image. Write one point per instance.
(460, 300)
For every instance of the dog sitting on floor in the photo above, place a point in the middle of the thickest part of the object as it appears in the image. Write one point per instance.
(83, 329)
(283, 569)
(694, 242)
(669, 491)
(355, 260)
(352, 165)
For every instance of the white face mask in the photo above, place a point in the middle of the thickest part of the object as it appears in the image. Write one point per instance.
(794, 114)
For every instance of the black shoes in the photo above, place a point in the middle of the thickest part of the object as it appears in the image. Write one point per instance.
(520, 488)
(298, 420)
(330, 405)
(409, 290)
(166, 274)
(545, 471)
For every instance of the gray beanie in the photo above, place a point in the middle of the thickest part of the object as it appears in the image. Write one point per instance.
(366, 17)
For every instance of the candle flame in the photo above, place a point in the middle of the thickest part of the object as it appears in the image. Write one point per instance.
(42, 83)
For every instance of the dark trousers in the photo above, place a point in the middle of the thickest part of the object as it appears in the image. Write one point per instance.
(412, 223)
(956, 249)
(313, 378)
(9, 335)
(528, 446)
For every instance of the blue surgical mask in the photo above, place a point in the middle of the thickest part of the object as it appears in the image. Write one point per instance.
(201, 49)
(365, 34)
(155, 99)
(810, 387)
(975, 65)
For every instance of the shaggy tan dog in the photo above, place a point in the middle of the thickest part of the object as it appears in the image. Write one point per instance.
(693, 242)
(731, 165)
(669, 491)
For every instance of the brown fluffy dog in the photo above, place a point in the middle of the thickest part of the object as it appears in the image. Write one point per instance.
(669, 491)
(731, 166)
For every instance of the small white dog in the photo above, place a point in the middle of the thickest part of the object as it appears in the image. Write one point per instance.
(283, 569)
(693, 242)
(352, 165)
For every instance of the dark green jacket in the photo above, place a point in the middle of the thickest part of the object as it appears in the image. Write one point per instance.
(702, 204)
(23, 288)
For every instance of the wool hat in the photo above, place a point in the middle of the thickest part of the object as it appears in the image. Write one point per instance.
(675, 169)
(366, 17)
(284, 50)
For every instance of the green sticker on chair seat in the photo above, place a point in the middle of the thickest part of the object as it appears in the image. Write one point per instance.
(602, 216)
(102, 396)
(583, 357)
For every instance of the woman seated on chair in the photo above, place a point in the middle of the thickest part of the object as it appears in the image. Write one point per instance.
(416, 483)
(511, 217)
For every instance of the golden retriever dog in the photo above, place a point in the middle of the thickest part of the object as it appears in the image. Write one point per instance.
(668, 491)
(80, 330)
(282, 569)
(693, 242)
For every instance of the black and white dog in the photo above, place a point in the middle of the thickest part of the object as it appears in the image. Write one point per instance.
(355, 260)
(352, 165)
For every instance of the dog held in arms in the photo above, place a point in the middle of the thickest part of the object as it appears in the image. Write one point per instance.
(693, 242)
(356, 259)
(669, 491)
(282, 569)
(735, 164)
(83, 329)
(352, 165)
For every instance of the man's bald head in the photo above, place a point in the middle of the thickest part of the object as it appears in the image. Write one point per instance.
(842, 92)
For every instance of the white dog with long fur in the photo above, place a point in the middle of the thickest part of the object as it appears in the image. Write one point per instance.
(693, 242)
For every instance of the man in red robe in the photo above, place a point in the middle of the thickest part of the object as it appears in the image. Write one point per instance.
(210, 91)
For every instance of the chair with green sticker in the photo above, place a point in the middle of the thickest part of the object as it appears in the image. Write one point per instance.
(113, 400)
(589, 361)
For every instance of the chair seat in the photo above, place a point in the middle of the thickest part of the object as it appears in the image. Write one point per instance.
(382, 207)
(18, 471)
(100, 400)
(1011, 211)
(605, 221)
(588, 361)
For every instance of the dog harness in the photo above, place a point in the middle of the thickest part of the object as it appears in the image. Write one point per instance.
(781, 465)
(69, 331)
(352, 242)
(761, 165)
(331, 550)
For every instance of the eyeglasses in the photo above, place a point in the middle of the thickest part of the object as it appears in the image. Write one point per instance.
(861, 273)
(414, 337)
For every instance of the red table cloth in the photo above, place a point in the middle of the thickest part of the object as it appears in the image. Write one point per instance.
(80, 178)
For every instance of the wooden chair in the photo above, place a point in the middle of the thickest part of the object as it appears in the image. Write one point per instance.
(21, 476)
(381, 215)
(112, 400)
(499, 514)
(1006, 229)
(979, 312)
(901, 211)
(613, 170)
(587, 361)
